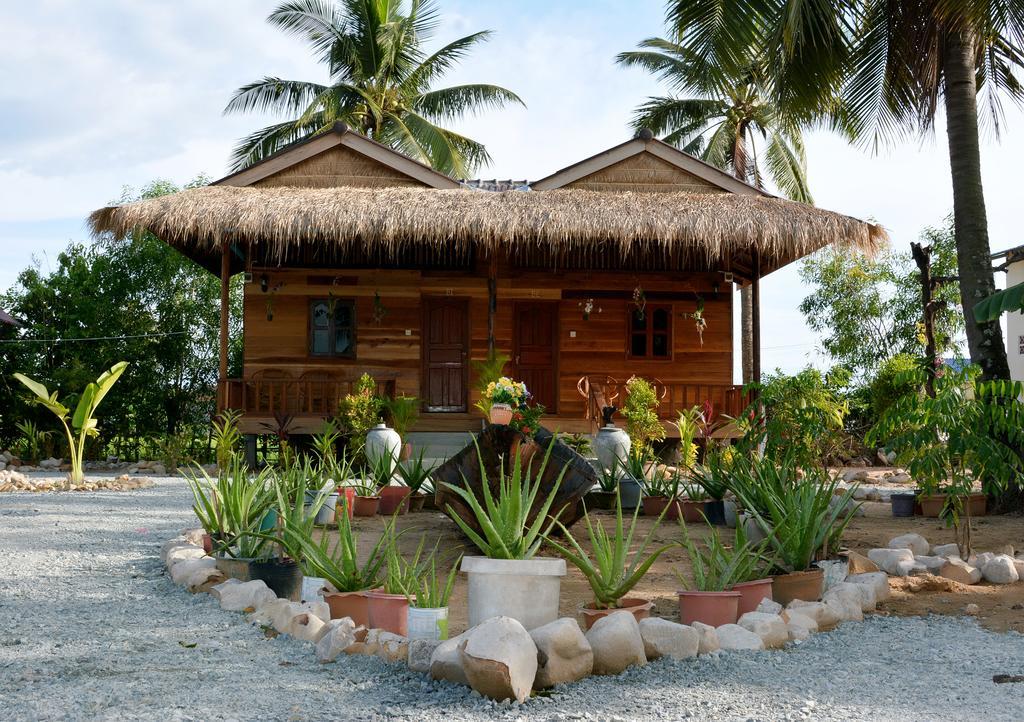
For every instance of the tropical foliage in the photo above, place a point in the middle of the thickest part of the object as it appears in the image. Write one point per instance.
(381, 83)
(641, 414)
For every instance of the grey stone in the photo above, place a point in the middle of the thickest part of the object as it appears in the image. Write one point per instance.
(617, 643)
(563, 653)
(664, 638)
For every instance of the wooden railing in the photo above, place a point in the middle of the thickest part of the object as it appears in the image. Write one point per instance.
(309, 396)
(674, 397)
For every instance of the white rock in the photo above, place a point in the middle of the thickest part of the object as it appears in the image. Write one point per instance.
(202, 579)
(563, 653)
(960, 571)
(663, 638)
(708, 638)
(799, 626)
(864, 594)
(617, 643)
(339, 635)
(182, 552)
(824, 615)
(499, 659)
(446, 663)
(845, 602)
(769, 606)
(932, 563)
(420, 652)
(946, 550)
(771, 628)
(889, 559)
(319, 608)
(182, 570)
(879, 581)
(981, 559)
(265, 614)
(392, 647)
(914, 542)
(286, 616)
(1019, 566)
(243, 595)
(734, 637)
(307, 627)
(1000, 569)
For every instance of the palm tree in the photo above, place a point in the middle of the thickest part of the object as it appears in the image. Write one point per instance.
(729, 122)
(879, 70)
(380, 83)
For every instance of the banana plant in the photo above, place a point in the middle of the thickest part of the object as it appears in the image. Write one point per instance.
(82, 424)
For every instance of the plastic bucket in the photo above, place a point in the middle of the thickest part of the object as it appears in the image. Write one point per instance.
(428, 623)
(903, 504)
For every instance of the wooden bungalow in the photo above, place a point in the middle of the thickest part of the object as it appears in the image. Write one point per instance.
(359, 259)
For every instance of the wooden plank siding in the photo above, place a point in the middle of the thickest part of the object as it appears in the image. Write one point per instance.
(338, 166)
(644, 172)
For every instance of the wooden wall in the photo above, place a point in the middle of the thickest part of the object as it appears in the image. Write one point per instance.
(596, 346)
(339, 166)
(644, 172)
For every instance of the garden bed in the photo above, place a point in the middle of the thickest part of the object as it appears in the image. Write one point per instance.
(16, 481)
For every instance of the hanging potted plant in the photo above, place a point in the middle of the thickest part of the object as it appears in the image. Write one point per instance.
(716, 568)
(428, 601)
(509, 579)
(610, 568)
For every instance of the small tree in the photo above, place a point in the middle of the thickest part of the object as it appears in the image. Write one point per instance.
(641, 414)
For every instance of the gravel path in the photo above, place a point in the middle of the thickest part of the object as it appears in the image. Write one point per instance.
(91, 628)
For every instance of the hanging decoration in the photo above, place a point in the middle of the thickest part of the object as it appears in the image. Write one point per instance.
(588, 308)
(700, 321)
(379, 309)
(640, 299)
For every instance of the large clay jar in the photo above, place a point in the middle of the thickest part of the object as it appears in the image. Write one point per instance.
(381, 442)
(612, 445)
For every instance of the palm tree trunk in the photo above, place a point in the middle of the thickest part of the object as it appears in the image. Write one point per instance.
(747, 333)
(970, 224)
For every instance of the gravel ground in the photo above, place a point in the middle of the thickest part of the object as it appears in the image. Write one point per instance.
(91, 628)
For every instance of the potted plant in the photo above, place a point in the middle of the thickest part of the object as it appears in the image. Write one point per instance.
(428, 601)
(394, 494)
(414, 474)
(388, 605)
(510, 580)
(503, 397)
(606, 494)
(716, 567)
(661, 493)
(713, 478)
(631, 484)
(641, 414)
(610, 568)
(404, 411)
(339, 564)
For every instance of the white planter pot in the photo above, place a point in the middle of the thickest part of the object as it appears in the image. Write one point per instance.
(729, 506)
(428, 623)
(752, 528)
(326, 514)
(525, 589)
(611, 445)
(312, 589)
(383, 441)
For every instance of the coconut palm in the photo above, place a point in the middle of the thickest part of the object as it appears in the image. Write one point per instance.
(880, 71)
(728, 120)
(381, 83)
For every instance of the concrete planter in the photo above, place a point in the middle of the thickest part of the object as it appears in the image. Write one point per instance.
(525, 589)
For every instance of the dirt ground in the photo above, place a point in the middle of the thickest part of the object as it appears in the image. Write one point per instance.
(1001, 607)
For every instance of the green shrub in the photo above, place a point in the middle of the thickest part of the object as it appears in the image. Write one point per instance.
(360, 412)
(893, 380)
(641, 414)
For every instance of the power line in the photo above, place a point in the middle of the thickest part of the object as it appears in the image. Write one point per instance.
(94, 338)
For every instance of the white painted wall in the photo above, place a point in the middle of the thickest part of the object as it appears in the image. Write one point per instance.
(1015, 325)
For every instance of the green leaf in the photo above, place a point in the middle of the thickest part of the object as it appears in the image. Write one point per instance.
(991, 308)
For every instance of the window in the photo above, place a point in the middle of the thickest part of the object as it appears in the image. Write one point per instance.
(650, 332)
(332, 328)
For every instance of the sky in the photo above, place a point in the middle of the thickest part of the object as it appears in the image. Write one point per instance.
(110, 94)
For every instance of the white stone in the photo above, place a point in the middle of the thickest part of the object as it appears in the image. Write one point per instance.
(864, 594)
(420, 652)
(960, 571)
(845, 602)
(735, 637)
(265, 614)
(771, 628)
(243, 595)
(889, 559)
(708, 638)
(824, 615)
(286, 616)
(182, 552)
(307, 627)
(1019, 566)
(914, 542)
(1000, 569)
(617, 643)
(392, 647)
(182, 570)
(981, 559)
(663, 638)
(799, 626)
(932, 563)
(340, 634)
(499, 659)
(946, 550)
(769, 606)
(563, 653)
(446, 663)
(879, 581)
(202, 579)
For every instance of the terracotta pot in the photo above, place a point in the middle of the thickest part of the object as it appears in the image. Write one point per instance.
(346, 501)
(416, 502)
(751, 594)
(394, 498)
(654, 505)
(406, 451)
(978, 504)
(641, 609)
(500, 414)
(933, 504)
(714, 608)
(207, 543)
(365, 505)
(806, 586)
(693, 510)
(354, 605)
(389, 612)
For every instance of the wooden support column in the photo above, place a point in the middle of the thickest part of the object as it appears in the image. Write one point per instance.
(755, 302)
(492, 300)
(225, 310)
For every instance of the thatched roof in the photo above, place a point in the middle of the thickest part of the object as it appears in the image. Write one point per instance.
(705, 229)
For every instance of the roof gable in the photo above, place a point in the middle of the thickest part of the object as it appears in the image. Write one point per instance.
(645, 165)
(339, 157)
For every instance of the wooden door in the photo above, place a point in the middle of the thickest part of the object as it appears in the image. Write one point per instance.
(535, 350)
(445, 354)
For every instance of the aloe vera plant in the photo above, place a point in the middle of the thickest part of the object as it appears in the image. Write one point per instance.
(338, 563)
(232, 507)
(717, 566)
(611, 569)
(431, 591)
(504, 521)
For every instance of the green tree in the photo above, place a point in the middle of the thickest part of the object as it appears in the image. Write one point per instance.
(880, 70)
(729, 121)
(869, 309)
(380, 83)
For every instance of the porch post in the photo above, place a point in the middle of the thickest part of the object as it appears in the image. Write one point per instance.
(225, 278)
(755, 298)
(492, 300)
